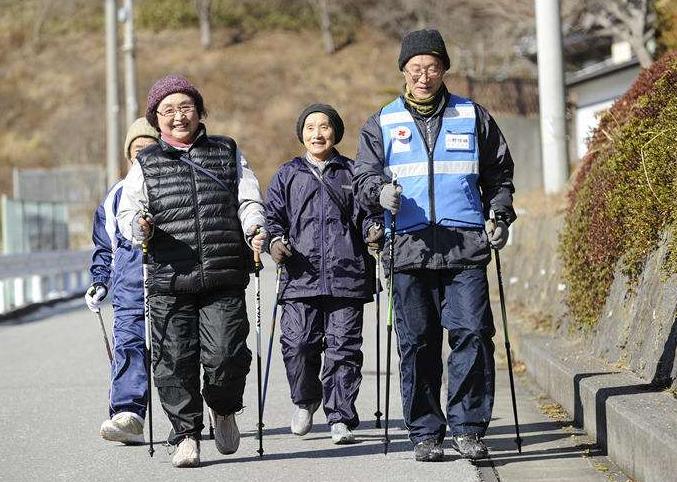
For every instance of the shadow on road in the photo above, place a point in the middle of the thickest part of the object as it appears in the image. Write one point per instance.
(503, 450)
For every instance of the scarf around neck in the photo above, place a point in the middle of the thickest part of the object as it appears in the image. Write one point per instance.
(177, 144)
(426, 106)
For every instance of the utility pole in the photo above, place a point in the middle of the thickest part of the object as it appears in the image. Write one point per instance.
(551, 96)
(112, 104)
(129, 49)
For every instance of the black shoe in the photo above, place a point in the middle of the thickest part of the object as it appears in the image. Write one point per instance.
(429, 451)
(469, 445)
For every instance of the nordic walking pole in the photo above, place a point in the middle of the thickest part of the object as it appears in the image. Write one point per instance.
(378, 413)
(211, 425)
(272, 335)
(149, 345)
(389, 324)
(501, 295)
(105, 336)
(257, 289)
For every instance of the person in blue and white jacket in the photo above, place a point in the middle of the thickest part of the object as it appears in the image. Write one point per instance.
(117, 265)
(453, 167)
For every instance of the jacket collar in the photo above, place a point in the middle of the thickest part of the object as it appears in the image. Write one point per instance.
(336, 160)
(438, 110)
(200, 138)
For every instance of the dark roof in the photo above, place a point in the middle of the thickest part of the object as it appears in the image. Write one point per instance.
(601, 69)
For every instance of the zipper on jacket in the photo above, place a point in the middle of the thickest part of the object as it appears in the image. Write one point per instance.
(322, 240)
(198, 230)
(431, 170)
(431, 165)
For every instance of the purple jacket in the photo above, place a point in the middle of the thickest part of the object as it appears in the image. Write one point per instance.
(329, 253)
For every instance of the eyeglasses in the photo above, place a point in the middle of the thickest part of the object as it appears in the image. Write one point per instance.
(171, 111)
(432, 72)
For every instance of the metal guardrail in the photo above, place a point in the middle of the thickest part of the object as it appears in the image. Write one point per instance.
(30, 278)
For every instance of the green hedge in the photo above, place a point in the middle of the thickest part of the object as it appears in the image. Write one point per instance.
(250, 15)
(624, 193)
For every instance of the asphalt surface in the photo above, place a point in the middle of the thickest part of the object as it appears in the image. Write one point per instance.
(53, 398)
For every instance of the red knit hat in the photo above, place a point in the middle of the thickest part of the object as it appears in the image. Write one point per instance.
(168, 85)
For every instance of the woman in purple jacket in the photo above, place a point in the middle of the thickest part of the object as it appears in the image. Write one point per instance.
(318, 232)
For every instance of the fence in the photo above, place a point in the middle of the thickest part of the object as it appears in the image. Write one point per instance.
(29, 278)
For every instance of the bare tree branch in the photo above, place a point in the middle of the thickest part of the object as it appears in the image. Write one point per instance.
(629, 20)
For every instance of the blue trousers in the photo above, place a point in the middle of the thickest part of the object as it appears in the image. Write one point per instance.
(425, 302)
(129, 384)
(331, 326)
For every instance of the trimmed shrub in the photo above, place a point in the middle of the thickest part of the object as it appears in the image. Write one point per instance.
(623, 197)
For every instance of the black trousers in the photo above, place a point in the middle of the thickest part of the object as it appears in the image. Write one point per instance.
(208, 328)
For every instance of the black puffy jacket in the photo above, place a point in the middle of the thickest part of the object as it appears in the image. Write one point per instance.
(198, 243)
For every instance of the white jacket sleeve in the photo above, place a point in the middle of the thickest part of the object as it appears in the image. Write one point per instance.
(134, 198)
(250, 211)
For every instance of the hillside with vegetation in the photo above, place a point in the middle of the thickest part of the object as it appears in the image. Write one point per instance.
(267, 60)
(263, 67)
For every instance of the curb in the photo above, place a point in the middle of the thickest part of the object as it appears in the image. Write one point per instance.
(632, 421)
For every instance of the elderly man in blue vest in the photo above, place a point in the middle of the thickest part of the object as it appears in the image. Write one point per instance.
(452, 166)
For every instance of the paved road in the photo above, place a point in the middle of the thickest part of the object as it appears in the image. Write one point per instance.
(53, 397)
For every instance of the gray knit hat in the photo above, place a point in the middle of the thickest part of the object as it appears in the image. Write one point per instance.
(329, 111)
(139, 128)
(168, 85)
(423, 42)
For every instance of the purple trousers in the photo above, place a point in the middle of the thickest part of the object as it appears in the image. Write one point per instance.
(331, 326)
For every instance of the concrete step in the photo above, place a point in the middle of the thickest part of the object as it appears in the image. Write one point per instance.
(631, 421)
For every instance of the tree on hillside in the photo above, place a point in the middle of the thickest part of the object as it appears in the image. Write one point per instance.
(203, 8)
(325, 25)
(631, 20)
(481, 37)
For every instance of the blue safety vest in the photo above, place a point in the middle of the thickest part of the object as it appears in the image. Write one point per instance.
(441, 188)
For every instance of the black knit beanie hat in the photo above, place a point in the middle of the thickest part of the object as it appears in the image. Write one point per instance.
(329, 111)
(423, 42)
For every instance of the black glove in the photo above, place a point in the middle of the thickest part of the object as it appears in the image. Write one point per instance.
(279, 250)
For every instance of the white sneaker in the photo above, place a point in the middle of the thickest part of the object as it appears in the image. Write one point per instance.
(187, 453)
(341, 434)
(302, 418)
(226, 433)
(125, 427)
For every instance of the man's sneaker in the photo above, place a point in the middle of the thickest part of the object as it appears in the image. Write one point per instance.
(226, 433)
(429, 451)
(341, 434)
(302, 418)
(125, 427)
(469, 445)
(187, 453)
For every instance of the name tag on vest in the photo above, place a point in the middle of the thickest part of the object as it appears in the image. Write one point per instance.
(458, 142)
